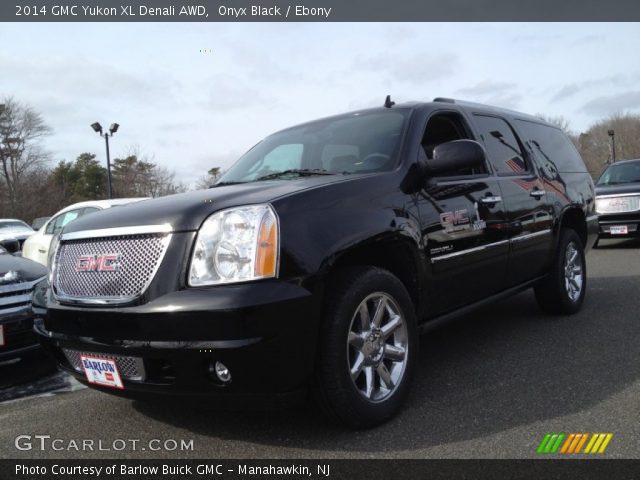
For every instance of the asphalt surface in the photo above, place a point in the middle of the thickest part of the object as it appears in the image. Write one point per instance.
(489, 385)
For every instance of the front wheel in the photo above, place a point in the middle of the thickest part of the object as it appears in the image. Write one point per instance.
(368, 348)
(563, 290)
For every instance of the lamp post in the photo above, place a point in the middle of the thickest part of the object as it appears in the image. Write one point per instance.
(112, 129)
(612, 134)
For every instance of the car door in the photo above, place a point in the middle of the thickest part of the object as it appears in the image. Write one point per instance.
(529, 214)
(462, 219)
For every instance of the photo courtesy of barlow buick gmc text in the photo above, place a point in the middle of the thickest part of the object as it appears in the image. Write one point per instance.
(319, 239)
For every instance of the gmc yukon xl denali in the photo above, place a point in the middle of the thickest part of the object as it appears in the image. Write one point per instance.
(314, 263)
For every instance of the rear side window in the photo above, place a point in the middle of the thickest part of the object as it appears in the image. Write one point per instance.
(551, 146)
(503, 148)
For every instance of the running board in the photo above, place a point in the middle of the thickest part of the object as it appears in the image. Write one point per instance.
(438, 321)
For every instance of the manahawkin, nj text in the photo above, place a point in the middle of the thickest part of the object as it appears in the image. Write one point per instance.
(175, 470)
(132, 12)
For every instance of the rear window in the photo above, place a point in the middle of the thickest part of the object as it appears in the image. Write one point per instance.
(553, 149)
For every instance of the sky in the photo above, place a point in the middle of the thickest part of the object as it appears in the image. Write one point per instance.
(195, 96)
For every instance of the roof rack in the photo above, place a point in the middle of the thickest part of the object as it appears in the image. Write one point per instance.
(444, 100)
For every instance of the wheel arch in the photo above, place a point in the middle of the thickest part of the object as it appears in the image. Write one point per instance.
(400, 256)
(574, 218)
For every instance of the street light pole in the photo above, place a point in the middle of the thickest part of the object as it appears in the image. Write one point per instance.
(612, 134)
(106, 141)
(112, 129)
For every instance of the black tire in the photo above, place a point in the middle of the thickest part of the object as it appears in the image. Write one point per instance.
(338, 395)
(553, 293)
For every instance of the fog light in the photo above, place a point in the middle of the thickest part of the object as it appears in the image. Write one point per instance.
(222, 372)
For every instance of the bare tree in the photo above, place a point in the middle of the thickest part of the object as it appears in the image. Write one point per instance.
(137, 176)
(209, 179)
(21, 153)
(595, 144)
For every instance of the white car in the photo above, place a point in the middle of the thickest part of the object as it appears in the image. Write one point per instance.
(13, 228)
(37, 246)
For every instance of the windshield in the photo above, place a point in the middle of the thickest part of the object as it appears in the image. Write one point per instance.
(621, 173)
(354, 143)
(13, 225)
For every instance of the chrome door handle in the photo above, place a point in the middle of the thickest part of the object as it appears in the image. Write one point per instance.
(537, 194)
(490, 200)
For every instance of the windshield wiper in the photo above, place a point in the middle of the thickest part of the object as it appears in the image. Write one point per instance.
(301, 172)
(222, 184)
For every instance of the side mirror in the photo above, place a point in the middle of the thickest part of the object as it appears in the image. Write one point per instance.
(11, 245)
(455, 156)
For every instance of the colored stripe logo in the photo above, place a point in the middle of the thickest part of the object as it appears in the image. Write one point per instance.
(574, 443)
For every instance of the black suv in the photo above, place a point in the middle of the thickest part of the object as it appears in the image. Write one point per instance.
(319, 257)
(618, 200)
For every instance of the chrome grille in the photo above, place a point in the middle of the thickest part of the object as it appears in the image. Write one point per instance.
(130, 368)
(16, 297)
(622, 204)
(139, 257)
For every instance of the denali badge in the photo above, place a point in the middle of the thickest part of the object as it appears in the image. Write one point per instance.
(108, 262)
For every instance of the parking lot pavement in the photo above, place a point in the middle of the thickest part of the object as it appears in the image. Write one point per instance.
(489, 385)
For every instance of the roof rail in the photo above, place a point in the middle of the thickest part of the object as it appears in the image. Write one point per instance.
(444, 100)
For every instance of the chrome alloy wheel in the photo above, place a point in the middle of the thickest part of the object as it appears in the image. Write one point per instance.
(377, 347)
(573, 272)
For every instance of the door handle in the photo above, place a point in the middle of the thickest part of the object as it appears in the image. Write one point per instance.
(538, 194)
(41, 250)
(490, 200)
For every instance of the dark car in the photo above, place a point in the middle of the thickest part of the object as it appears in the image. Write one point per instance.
(618, 200)
(18, 277)
(319, 257)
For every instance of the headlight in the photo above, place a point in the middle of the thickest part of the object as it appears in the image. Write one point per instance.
(236, 245)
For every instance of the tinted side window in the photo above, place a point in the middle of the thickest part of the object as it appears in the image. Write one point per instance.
(503, 148)
(552, 147)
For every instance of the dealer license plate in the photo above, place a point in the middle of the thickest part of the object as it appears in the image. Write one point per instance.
(101, 371)
(619, 230)
(1, 335)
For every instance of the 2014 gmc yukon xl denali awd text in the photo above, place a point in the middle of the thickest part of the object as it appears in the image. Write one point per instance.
(317, 259)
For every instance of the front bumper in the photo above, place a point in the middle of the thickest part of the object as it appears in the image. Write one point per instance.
(629, 220)
(264, 332)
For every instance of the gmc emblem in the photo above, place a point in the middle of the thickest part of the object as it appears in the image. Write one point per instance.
(98, 263)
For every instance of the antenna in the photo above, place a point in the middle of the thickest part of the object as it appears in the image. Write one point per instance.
(388, 103)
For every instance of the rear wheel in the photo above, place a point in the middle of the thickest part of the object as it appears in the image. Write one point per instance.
(563, 290)
(368, 348)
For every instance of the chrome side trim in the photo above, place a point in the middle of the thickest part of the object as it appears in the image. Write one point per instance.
(117, 232)
(529, 236)
(105, 300)
(614, 195)
(469, 250)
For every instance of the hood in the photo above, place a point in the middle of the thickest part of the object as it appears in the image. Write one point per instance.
(27, 270)
(187, 211)
(617, 189)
